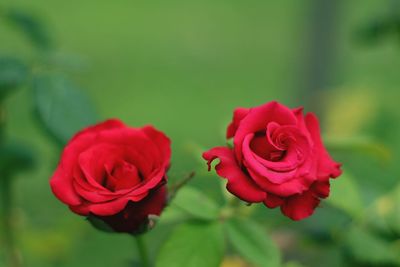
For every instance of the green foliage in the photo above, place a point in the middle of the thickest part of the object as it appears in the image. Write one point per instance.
(366, 247)
(172, 214)
(64, 61)
(345, 195)
(379, 29)
(252, 242)
(13, 73)
(359, 144)
(393, 214)
(194, 244)
(293, 264)
(196, 203)
(31, 26)
(99, 224)
(385, 212)
(15, 157)
(62, 108)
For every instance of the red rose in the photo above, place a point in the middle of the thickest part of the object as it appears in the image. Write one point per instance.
(114, 173)
(278, 158)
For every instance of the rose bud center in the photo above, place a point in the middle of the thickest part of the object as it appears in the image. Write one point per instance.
(122, 175)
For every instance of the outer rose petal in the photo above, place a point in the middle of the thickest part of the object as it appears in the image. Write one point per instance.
(61, 181)
(326, 166)
(106, 208)
(105, 125)
(321, 189)
(62, 188)
(135, 214)
(299, 207)
(161, 140)
(273, 201)
(132, 137)
(238, 115)
(239, 183)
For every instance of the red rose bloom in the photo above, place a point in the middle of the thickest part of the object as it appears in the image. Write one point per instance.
(114, 173)
(278, 158)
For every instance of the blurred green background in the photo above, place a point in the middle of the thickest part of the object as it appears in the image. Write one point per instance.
(183, 66)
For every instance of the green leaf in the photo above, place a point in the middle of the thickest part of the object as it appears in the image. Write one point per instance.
(366, 247)
(13, 73)
(173, 214)
(194, 244)
(31, 26)
(345, 195)
(63, 109)
(253, 243)
(15, 157)
(195, 203)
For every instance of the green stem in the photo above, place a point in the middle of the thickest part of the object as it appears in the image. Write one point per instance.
(176, 187)
(142, 250)
(6, 199)
(11, 253)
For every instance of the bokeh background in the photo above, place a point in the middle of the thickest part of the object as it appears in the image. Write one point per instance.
(183, 66)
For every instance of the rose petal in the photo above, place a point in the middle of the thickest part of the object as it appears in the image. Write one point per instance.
(61, 181)
(92, 163)
(239, 183)
(92, 195)
(300, 206)
(298, 112)
(62, 188)
(132, 218)
(326, 166)
(162, 142)
(273, 201)
(106, 208)
(105, 125)
(277, 177)
(321, 189)
(238, 115)
(122, 175)
(137, 139)
(261, 147)
(257, 120)
(291, 187)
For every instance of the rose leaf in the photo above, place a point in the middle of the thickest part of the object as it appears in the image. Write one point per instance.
(252, 242)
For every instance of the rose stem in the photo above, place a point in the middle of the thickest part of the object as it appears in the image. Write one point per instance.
(6, 222)
(175, 188)
(6, 208)
(142, 249)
